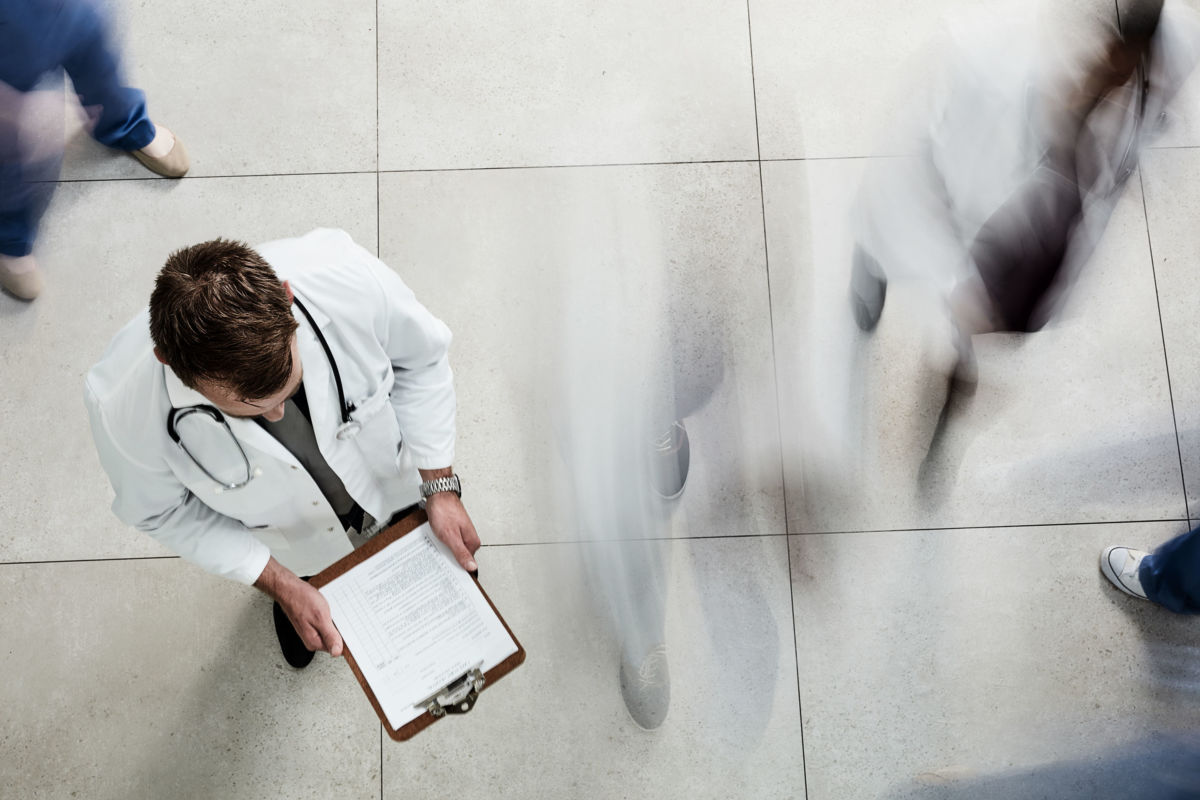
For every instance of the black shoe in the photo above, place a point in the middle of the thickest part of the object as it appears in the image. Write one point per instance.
(670, 460)
(868, 290)
(294, 651)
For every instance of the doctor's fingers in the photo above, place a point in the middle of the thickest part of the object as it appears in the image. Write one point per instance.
(322, 636)
(470, 536)
(452, 536)
(331, 641)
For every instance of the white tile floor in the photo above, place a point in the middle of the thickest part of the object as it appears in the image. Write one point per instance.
(831, 637)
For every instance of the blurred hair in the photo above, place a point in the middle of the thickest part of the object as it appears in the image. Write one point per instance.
(219, 313)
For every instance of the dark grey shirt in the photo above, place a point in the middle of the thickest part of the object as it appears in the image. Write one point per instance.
(295, 432)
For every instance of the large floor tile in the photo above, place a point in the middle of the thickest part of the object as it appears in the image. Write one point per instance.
(1172, 201)
(252, 88)
(100, 266)
(471, 84)
(1071, 424)
(982, 650)
(640, 274)
(557, 726)
(148, 679)
(832, 78)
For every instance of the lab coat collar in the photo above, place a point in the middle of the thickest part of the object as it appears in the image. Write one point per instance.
(181, 396)
(318, 315)
(247, 431)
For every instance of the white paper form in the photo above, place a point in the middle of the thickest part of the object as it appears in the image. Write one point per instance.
(414, 620)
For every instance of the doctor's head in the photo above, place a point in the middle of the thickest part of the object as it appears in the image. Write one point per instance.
(222, 321)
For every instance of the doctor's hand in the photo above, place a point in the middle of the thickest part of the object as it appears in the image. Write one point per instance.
(306, 607)
(453, 526)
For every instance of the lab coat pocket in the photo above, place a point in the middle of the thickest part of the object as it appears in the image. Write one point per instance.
(273, 538)
(379, 440)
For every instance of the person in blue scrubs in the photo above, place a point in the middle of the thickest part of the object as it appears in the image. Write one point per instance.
(39, 40)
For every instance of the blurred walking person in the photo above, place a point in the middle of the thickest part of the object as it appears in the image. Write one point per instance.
(1022, 150)
(39, 40)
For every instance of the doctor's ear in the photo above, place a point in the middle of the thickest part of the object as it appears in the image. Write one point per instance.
(158, 355)
(287, 288)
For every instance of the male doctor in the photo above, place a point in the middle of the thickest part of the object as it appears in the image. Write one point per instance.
(271, 404)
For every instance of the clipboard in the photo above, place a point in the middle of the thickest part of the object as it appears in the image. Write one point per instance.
(456, 697)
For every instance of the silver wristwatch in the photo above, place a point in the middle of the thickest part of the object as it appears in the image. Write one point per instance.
(447, 484)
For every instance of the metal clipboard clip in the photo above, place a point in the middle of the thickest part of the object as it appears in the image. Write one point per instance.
(456, 697)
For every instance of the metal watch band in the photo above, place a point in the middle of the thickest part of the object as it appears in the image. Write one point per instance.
(446, 484)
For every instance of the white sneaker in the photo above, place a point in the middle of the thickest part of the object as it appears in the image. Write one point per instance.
(646, 688)
(672, 457)
(1120, 565)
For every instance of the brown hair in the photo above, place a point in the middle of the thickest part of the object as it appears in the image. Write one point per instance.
(219, 313)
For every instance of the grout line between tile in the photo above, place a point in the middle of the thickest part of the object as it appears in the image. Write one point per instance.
(511, 167)
(762, 204)
(86, 560)
(1163, 337)
(378, 254)
(796, 656)
(590, 165)
(762, 200)
(378, 223)
(514, 167)
(421, 171)
(994, 527)
(746, 536)
(847, 532)
(214, 177)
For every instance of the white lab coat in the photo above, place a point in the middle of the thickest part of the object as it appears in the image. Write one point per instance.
(392, 356)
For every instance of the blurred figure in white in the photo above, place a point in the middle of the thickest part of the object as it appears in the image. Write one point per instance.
(627, 456)
(39, 41)
(1021, 148)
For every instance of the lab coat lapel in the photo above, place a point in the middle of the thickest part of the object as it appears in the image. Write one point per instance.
(319, 385)
(247, 431)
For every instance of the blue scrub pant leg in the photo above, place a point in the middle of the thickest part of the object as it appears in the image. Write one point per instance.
(25, 192)
(1171, 575)
(38, 40)
(95, 69)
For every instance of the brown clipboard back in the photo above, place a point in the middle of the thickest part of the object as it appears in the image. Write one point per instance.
(376, 543)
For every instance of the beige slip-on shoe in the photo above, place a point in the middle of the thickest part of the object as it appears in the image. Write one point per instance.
(20, 276)
(174, 164)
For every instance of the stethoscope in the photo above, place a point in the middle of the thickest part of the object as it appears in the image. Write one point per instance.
(348, 428)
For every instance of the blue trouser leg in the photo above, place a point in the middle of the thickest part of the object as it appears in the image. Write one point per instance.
(39, 38)
(95, 70)
(25, 191)
(1171, 575)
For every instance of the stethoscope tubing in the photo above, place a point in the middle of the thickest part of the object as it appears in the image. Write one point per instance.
(346, 408)
(347, 429)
